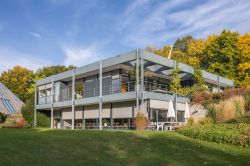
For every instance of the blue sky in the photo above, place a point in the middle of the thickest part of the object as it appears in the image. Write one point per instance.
(51, 32)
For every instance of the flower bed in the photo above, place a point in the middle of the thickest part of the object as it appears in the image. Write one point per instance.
(236, 134)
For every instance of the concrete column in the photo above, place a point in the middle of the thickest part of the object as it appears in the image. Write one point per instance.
(142, 81)
(83, 119)
(51, 103)
(111, 116)
(175, 96)
(137, 79)
(73, 100)
(100, 97)
(218, 83)
(35, 111)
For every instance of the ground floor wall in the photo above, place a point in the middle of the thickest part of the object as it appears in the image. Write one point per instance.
(119, 115)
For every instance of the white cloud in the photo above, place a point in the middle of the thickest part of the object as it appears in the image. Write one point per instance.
(172, 19)
(10, 58)
(79, 56)
(36, 35)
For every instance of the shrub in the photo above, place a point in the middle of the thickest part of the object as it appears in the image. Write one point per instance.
(191, 121)
(242, 119)
(28, 114)
(236, 134)
(228, 109)
(141, 121)
(247, 98)
(205, 121)
(14, 121)
(3, 117)
(200, 97)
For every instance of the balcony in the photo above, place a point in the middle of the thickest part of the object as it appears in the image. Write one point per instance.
(66, 93)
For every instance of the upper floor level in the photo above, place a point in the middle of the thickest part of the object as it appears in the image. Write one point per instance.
(138, 70)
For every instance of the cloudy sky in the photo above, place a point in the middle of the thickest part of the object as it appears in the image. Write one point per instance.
(78, 32)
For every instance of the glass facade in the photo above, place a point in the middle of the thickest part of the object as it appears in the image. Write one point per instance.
(9, 106)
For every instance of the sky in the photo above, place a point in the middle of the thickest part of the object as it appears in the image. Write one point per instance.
(37, 33)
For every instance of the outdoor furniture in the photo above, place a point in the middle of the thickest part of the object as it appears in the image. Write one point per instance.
(160, 126)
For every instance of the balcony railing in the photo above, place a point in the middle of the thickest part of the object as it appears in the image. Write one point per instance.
(66, 94)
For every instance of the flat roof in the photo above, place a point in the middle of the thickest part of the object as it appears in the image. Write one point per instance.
(131, 56)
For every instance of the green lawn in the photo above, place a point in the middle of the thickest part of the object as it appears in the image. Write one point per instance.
(65, 147)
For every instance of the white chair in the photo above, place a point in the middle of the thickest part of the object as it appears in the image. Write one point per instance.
(160, 126)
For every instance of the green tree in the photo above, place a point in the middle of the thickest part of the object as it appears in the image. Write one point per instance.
(198, 76)
(48, 71)
(175, 82)
(18, 80)
(28, 114)
(221, 55)
(182, 44)
(51, 70)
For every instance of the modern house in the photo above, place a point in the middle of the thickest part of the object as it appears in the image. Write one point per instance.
(108, 94)
(9, 102)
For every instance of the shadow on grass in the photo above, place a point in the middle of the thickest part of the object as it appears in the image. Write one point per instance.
(92, 147)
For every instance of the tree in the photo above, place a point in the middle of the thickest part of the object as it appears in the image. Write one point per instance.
(243, 67)
(182, 44)
(164, 51)
(48, 71)
(198, 76)
(18, 80)
(28, 114)
(51, 70)
(221, 55)
(175, 82)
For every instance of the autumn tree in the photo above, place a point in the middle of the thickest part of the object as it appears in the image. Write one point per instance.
(243, 68)
(18, 80)
(222, 54)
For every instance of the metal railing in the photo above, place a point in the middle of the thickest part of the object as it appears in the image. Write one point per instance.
(66, 94)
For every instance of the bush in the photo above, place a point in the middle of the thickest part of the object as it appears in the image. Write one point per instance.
(236, 134)
(200, 97)
(140, 121)
(205, 121)
(247, 98)
(242, 119)
(14, 121)
(228, 109)
(28, 114)
(3, 117)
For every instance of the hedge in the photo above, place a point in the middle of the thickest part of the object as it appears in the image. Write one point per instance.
(235, 134)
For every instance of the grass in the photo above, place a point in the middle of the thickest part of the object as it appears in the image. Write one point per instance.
(67, 147)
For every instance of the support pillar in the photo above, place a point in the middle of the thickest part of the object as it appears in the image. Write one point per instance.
(218, 83)
(142, 81)
(51, 103)
(83, 119)
(73, 100)
(35, 111)
(111, 116)
(100, 97)
(137, 80)
(175, 96)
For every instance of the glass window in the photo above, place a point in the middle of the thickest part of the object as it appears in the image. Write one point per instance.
(180, 116)
(116, 86)
(1, 94)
